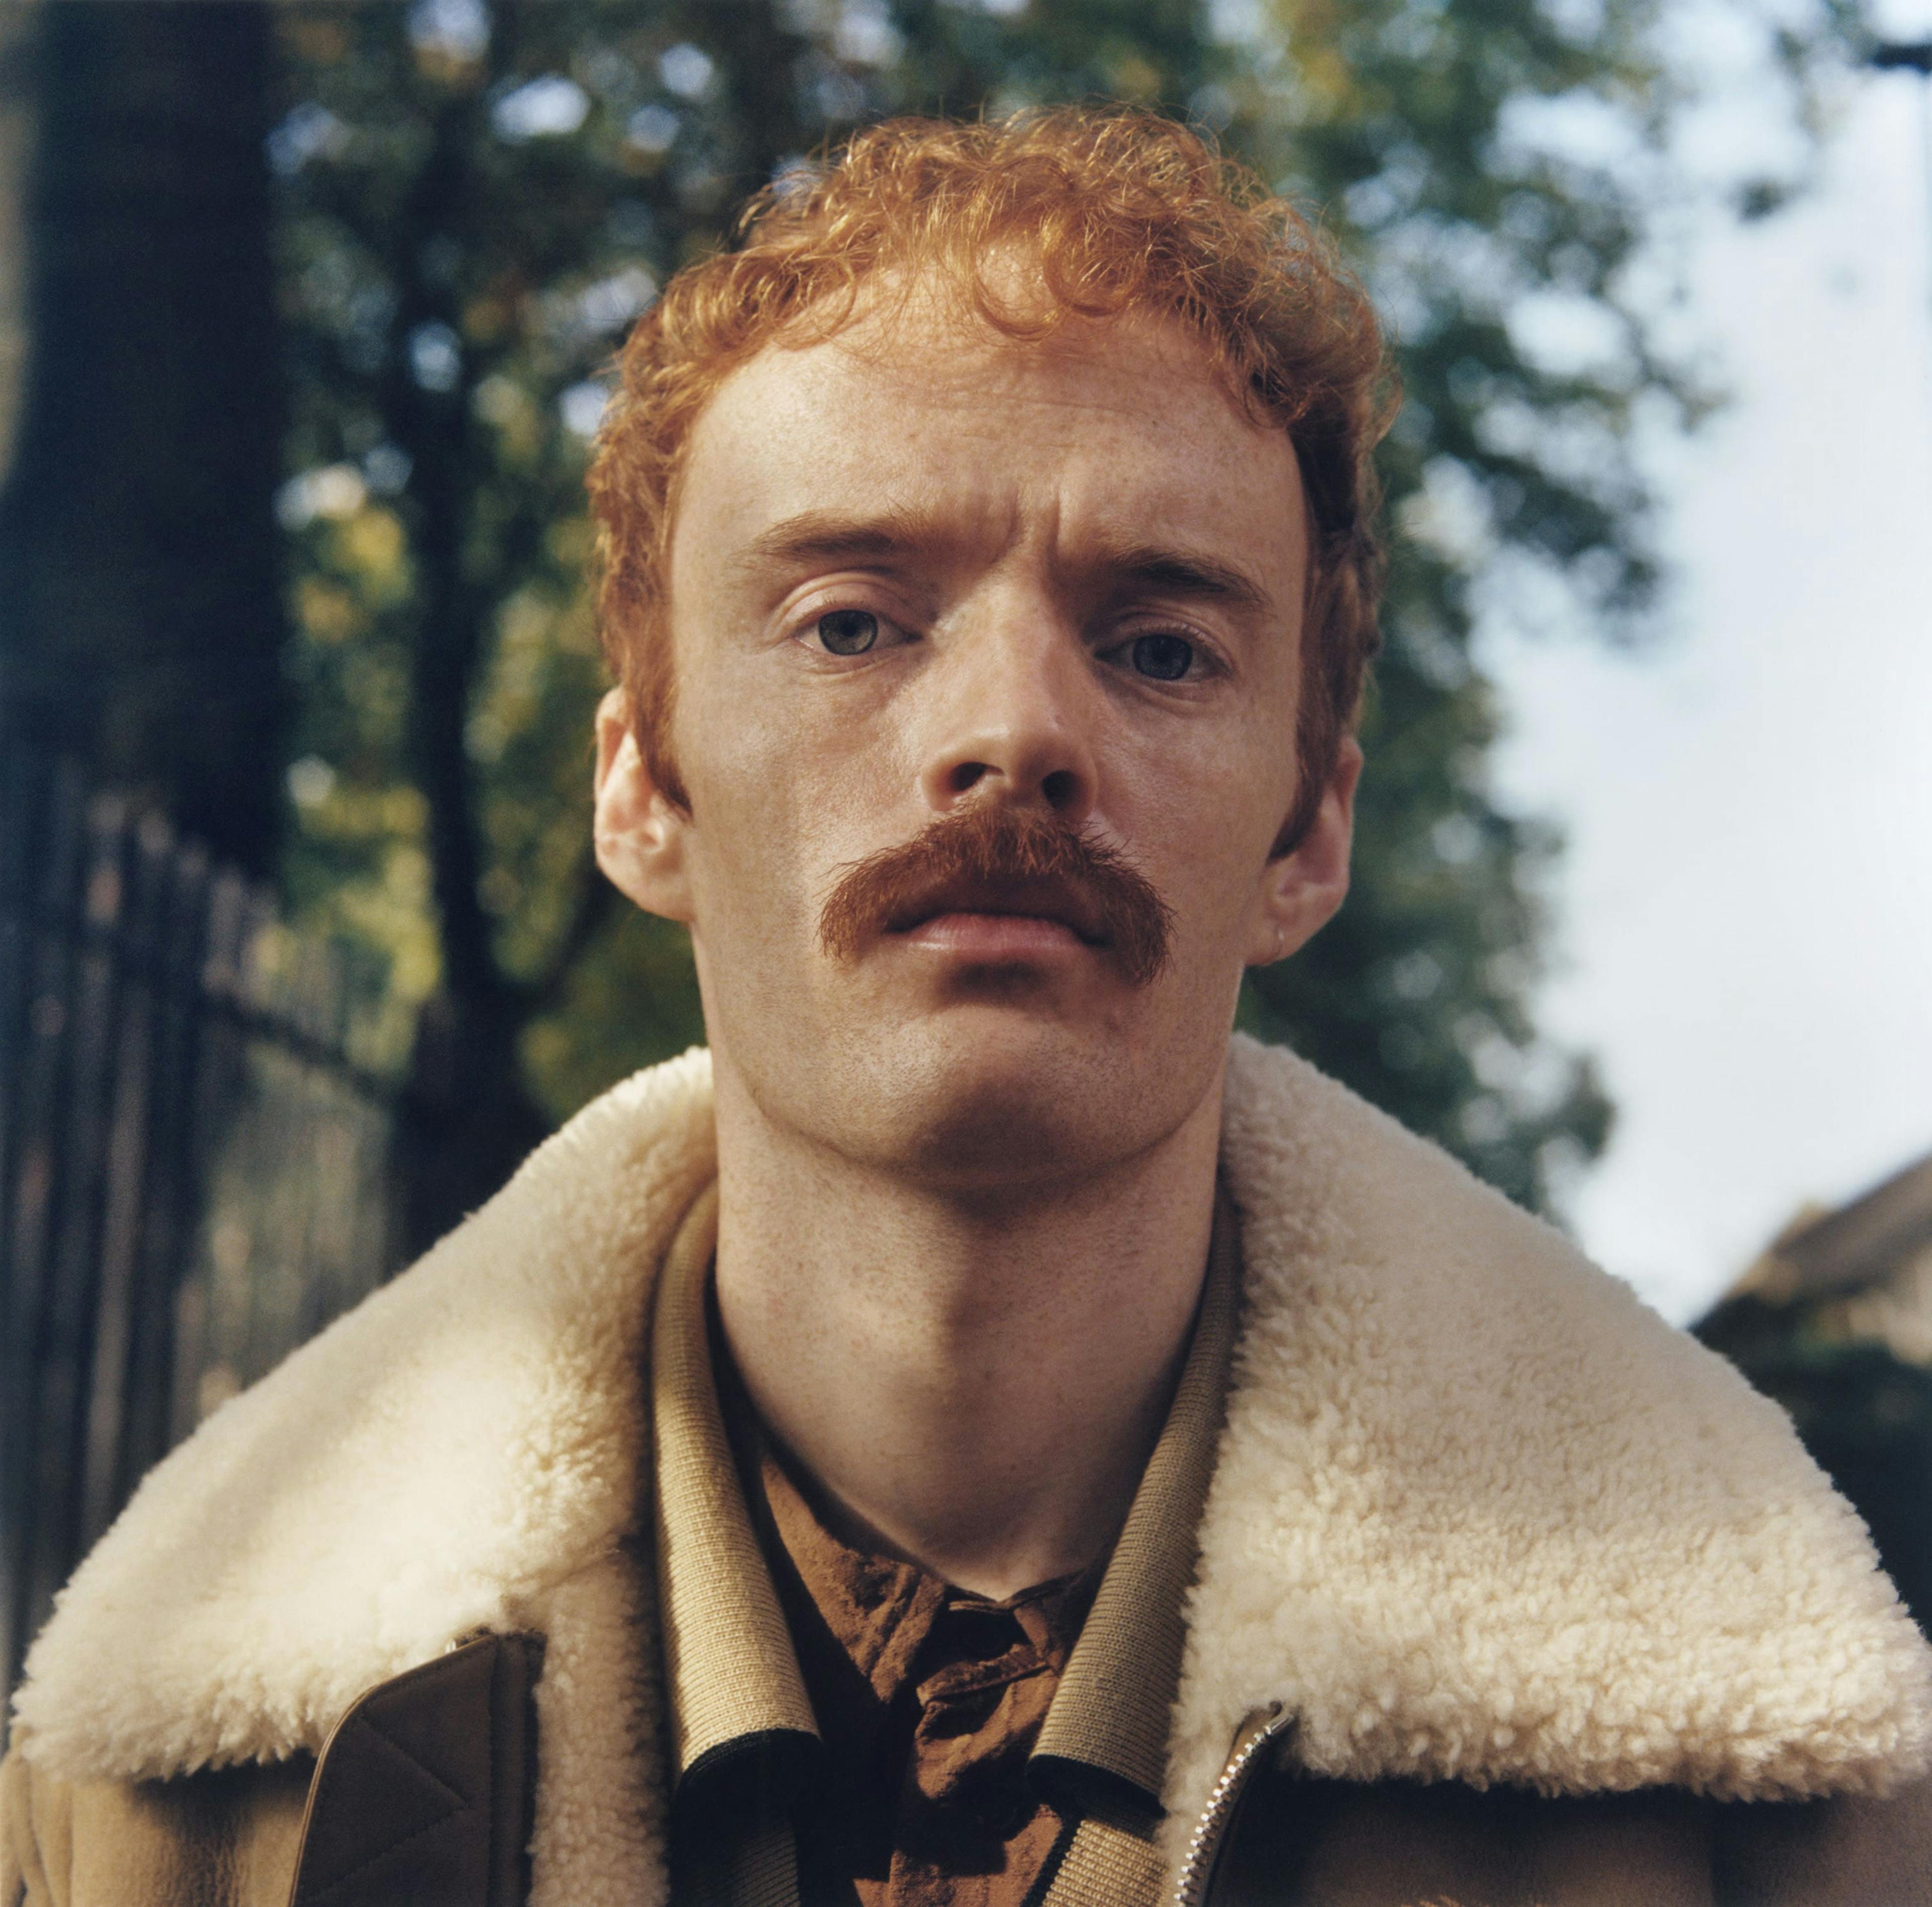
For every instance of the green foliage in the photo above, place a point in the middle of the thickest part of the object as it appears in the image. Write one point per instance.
(476, 204)
(1501, 265)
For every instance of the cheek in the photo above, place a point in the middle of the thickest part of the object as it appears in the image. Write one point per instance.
(785, 792)
(1215, 817)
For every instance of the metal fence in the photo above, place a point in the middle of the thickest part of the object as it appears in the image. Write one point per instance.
(194, 1172)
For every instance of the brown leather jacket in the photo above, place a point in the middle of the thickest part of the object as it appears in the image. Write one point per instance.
(1480, 1525)
(423, 1797)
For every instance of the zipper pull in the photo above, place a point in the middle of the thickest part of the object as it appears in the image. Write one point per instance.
(1261, 1726)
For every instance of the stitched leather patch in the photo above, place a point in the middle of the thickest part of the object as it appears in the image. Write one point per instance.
(405, 1810)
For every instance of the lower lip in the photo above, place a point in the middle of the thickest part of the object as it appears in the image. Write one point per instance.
(997, 938)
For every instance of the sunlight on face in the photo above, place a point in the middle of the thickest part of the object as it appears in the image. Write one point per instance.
(922, 568)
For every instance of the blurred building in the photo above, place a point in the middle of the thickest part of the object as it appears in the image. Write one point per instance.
(1834, 1320)
(1861, 1273)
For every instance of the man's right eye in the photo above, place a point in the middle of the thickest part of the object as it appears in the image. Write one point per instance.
(848, 631)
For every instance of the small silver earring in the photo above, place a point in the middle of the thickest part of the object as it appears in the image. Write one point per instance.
(1280, 942)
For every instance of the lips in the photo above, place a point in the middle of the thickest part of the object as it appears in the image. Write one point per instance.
(1041, 899)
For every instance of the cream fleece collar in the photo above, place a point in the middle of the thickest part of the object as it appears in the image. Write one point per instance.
(1477, 1513)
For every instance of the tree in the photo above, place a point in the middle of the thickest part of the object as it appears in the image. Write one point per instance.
(460, 259)
(141, 622)
(477, 203)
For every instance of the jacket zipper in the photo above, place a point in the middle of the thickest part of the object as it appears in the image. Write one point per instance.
(1255, 1734)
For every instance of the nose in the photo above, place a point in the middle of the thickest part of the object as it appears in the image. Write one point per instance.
(1013, 719)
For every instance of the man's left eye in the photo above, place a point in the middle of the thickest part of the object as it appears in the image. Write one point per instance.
(1164, 658)
(848, 631)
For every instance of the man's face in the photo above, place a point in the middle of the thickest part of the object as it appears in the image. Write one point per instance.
(919, 572)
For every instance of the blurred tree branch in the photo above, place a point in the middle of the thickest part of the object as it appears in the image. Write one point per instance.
(477, 203)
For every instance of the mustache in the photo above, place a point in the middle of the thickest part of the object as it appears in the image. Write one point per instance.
(1002, 848)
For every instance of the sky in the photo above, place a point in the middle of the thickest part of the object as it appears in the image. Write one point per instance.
(1744, 911)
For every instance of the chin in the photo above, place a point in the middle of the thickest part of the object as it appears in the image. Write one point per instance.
(994, 1101)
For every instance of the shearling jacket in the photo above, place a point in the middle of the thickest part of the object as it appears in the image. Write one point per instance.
(1507, 1593)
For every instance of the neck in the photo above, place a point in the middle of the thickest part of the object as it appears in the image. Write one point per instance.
(974, 1380)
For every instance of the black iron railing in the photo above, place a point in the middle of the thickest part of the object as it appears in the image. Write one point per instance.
(194, 1167)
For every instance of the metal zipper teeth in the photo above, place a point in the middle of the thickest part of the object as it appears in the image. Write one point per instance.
(1203, 1843)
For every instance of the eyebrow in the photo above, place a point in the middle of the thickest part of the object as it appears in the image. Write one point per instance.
(830, 536)
(1185, 572)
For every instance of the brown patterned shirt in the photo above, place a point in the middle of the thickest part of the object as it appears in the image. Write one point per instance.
(847, 1729)
(929, 1701)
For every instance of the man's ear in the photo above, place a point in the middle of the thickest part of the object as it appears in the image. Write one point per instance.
(640, 835)
(1302, 891)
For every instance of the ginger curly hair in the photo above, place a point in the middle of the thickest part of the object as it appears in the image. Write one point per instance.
(1113, 212)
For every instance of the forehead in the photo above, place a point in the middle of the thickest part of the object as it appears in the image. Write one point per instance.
(1105, 429)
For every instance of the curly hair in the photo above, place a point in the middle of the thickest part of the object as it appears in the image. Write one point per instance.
(1112, 212)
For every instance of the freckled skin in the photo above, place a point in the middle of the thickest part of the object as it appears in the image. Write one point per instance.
(798, 763)
(966, 1198)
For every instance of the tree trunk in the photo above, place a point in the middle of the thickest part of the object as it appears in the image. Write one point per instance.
(141, 620)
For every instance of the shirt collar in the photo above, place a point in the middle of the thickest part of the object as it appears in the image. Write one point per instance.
(731, 1676)
(1113, 1708)
(730, 1671)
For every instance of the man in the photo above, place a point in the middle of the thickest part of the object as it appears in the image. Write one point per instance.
(977, 1437)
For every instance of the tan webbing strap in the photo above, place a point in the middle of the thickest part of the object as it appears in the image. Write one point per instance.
(731, 1672)
(1114, 1702)
(729, 1664)
(1111, 1862)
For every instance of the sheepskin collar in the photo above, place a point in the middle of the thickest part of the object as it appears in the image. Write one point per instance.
(1478, 1514)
